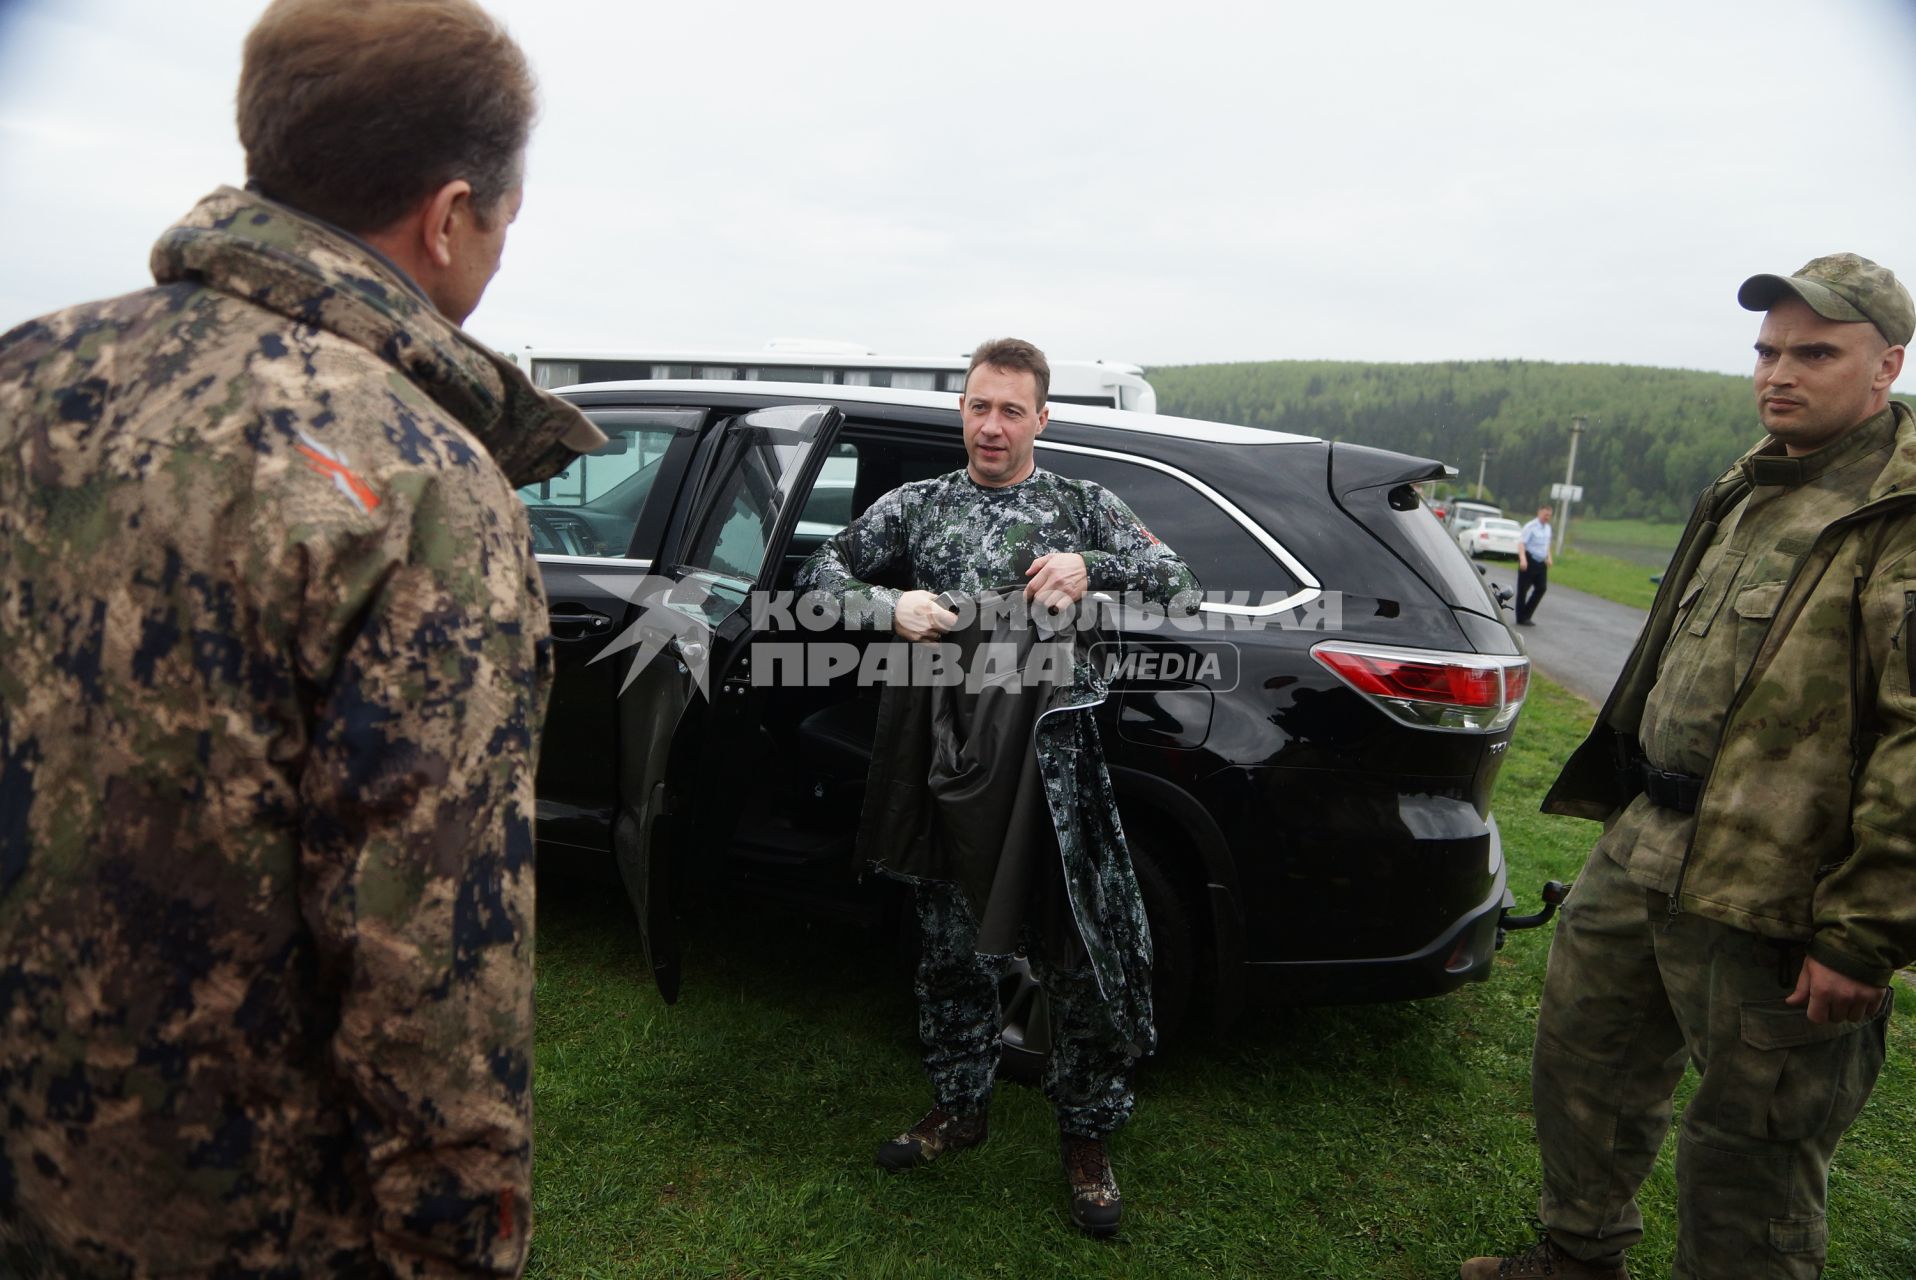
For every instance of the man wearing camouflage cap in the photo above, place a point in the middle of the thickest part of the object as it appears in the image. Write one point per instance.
(273, 660)
(1755, 886)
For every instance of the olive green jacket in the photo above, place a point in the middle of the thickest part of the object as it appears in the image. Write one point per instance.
(1805, 824)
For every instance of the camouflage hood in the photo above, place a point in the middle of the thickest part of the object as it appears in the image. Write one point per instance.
(250, 247)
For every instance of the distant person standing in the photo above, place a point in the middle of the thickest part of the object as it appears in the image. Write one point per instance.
(1754, 888)
(273, 661)
(1533, 565)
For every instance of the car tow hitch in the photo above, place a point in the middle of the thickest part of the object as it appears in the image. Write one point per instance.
(1553, 894)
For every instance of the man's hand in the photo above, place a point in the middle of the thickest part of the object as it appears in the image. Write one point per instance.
(1057, 579)
(1523, 561)
(1833, 997)
(919, 616)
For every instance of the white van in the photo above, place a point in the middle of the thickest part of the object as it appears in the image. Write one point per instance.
(1111, 384)
(1461, 515)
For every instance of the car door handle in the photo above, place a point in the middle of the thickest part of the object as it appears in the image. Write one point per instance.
(578, 625)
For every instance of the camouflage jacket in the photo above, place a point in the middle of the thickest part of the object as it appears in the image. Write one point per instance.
(950, 534)
(1805, 828)
(273, 658)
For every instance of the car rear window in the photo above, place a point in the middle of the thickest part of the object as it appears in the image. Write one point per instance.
(1443, 563)
(1223, 553)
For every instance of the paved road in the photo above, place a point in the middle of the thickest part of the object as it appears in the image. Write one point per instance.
(1581, 641)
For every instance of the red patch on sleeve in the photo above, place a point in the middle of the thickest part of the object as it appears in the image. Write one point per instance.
(352, 486)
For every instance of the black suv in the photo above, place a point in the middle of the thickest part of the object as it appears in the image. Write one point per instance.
(1305, 783)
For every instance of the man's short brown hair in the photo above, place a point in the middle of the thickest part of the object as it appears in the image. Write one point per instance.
(1016, 355)
(355, 110)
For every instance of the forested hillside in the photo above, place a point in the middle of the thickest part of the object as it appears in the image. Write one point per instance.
(1652, 438)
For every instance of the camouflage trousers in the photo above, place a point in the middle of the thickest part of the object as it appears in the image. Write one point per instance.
(1088, 1076)
(1630, 996)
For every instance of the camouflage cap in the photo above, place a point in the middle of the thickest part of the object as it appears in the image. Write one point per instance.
(1841, 286)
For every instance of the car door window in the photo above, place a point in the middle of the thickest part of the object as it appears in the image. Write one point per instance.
(828, 507)
(593, 506)
(757, 468)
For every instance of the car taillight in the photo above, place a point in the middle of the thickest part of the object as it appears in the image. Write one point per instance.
(1463, 692)
(1516, 682)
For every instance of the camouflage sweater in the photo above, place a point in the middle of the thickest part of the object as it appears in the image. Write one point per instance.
(1805, 828)
(952, 534)
(273, 657)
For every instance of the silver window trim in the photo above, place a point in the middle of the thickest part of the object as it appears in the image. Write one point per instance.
(1312, 587)
(621, 561)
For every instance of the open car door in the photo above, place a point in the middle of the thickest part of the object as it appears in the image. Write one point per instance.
(596, 527)
(689, 624)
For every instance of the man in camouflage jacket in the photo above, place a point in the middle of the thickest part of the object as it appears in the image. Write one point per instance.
(273, 659)
(1755, 887)
(1001, 520)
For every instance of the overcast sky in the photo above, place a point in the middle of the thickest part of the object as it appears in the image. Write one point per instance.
(1160, 183)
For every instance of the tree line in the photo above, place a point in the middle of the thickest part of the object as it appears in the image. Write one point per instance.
(1652, 439)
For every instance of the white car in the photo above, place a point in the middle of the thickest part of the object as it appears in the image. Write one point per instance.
(1491, 536)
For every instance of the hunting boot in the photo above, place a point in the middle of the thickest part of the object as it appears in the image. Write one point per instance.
(1541, 1260)
(937, 1132)
(1095, 1204)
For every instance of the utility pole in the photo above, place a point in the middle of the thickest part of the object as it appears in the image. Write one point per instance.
(1481, 464)
(1569, 478)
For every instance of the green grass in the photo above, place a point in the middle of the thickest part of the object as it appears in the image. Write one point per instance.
(731, 1134)
(1604, 576)
(1655, 535)
(1615, 558)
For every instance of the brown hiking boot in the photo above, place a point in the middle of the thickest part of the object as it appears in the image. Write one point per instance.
(1543, 1259)
(1095, 1204)
(937, 1132)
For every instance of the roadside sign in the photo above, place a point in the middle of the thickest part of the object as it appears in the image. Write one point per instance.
(1567, 492)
